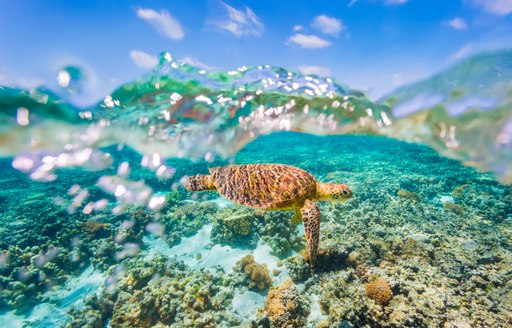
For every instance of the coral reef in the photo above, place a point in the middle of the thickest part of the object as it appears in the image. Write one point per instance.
(409, 195)
(257, 274)
(185, 219)
(286, 306)
(446, 263)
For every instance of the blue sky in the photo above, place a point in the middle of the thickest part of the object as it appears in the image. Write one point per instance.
(371, 45)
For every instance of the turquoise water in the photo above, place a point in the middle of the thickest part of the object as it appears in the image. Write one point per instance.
(97, 229)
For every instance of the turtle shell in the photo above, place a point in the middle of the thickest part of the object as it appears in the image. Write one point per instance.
(265, 186)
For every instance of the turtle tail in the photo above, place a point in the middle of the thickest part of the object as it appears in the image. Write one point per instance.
(200, 182)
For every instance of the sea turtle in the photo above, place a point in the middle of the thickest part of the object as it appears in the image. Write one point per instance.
(274, 187)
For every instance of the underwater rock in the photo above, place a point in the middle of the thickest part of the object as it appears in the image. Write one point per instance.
(279, 232)
(257, 274)
(457, 209)
(329, 258)
(184, 220)
(94, 228)
(379, 291)
(286, 306)
(235, 226)
(362, 273)
(91, 315)
(298, 268)
(459, 191)
(409, 195)
(242, 227)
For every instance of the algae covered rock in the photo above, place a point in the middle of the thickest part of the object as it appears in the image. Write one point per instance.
(94, 228)
(452, 207)
(286, 306)
(411, 195)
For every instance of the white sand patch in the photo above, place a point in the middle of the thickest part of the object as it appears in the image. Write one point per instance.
(246, 304)
(445, 199)
(222, 202)
(198, 252)
(262, 255)
(316, 314)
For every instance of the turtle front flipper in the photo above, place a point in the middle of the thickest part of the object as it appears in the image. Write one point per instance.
(311, 220)
(200, 182)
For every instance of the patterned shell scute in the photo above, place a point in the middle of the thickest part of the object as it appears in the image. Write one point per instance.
(265, 186)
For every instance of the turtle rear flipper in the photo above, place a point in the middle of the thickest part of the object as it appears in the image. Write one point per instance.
(311, 220)
(200, 182)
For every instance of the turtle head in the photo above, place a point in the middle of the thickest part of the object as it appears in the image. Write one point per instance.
(334, 192)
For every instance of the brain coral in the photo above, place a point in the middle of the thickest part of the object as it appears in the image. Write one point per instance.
(379, 291)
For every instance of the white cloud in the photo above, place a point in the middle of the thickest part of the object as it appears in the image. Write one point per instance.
(237, 22)
(496, 7)
(394, 2)
(458, 23)
(143, 59)
(196, 63)
(318, 70)
(297, 28)
(461, 53)
(28, 83)
(308, 41)
(398, 79)
(385, 2)
(351, 3)
(163, 22)
(19, 82)
(328, 25)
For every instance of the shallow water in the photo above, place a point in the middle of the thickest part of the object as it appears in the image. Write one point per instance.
(98, 230)
(396, 227)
